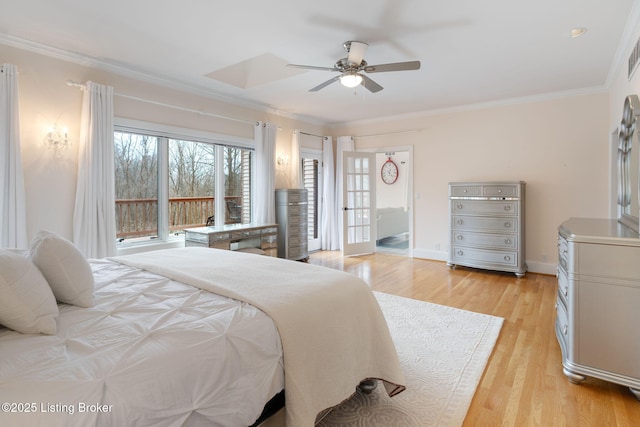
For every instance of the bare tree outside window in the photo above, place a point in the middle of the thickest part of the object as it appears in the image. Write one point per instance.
(136, 184)
(190, 171)
(191, 183)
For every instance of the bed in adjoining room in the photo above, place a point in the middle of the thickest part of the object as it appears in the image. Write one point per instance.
(190, 336)
(391, 222)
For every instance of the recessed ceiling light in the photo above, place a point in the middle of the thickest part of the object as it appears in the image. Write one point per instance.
(577, 32)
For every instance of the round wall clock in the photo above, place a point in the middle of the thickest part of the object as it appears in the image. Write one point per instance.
(389, 172)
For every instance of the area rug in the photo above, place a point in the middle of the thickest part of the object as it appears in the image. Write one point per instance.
(443, 352)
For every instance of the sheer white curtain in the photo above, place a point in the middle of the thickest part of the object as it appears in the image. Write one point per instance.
(13, 213)
(328, 216)
(94, 223)
(344, 143)
(296, 177)
(264, 197)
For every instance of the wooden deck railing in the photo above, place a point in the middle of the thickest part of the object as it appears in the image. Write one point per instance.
(139, 217)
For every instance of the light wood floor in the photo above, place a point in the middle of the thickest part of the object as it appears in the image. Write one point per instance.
(523, 383)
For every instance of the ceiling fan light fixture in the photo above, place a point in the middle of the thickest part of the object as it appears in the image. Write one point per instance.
(351, 79)
(577, 32)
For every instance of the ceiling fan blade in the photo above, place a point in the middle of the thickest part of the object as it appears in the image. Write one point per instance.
(394, 66)
(370, 84)
(311, 67)
(356, 52)
(325, 84)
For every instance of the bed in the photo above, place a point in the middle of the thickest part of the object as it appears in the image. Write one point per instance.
(196, 336)
(391, 221)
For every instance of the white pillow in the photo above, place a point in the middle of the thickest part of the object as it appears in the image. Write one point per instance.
(27, 304)
(64, 267)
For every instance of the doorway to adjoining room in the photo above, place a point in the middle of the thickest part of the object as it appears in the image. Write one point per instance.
(393, 202)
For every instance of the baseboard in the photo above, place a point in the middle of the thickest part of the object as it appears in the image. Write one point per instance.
(532, 266)
(432, 255)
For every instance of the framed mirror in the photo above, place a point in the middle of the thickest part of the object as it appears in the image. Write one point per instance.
(629, 165)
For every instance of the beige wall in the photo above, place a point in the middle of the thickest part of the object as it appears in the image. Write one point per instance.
(46, 99)
(558, 146)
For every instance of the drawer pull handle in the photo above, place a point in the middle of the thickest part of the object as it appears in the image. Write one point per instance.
(459, 206)
(460, 222)
(507, 207)
(507, 258)
(507, 224)
(499, 191)
(566, 292)
(565, 329)
(507, 241)
(459, 237)
(460, 253)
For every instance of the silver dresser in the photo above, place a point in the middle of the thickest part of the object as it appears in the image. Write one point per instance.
(291, 216)
(487, 225)
(598, 302)
(242, 237)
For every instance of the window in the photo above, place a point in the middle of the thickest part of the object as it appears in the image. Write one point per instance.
(136, 186)
(166, 182)
(191, 184)
(311, 164)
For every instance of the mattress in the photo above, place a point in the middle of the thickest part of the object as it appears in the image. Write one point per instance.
(153, 351)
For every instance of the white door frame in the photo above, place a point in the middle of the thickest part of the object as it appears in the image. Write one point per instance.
(408, 148)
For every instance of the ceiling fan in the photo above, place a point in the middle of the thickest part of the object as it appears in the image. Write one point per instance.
(352, 67)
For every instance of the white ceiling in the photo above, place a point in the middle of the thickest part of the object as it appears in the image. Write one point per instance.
(471, 51)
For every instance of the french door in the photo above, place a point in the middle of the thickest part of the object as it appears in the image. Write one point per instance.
(359, 203)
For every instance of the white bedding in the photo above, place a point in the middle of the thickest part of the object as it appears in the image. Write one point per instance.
(332, 329)
(150, 352)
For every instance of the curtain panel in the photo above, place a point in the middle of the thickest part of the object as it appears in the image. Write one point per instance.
(296, 176)
(13, 215)
(329, 214)
(94, 224)
(264, 197)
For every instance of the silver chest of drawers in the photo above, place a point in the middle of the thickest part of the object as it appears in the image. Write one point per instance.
(487, 225)
(291, 216)
(598, 301)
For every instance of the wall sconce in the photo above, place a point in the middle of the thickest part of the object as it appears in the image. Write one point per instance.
(283, 161)
(56, 139)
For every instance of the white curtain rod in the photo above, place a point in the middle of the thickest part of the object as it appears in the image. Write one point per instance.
(388, 133)
(162, 104)
(312, 134)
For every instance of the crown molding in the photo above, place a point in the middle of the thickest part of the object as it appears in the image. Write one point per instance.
(147, 77)
(478, 106)
(627, 41)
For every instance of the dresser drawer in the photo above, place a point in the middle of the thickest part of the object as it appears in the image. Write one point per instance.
(297, 252)
(244, 234)
(296, 221)
(484, 207)
(470, 256)
(207, 239)
(465, 190)
(297, 229)
(298, 240)
(562, 327)
(498, 190)
(498, 241)
(563, 250)
(291, 196)
(461, 222)
(563, 285)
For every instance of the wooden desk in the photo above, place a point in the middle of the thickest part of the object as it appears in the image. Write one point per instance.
(235, 237)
